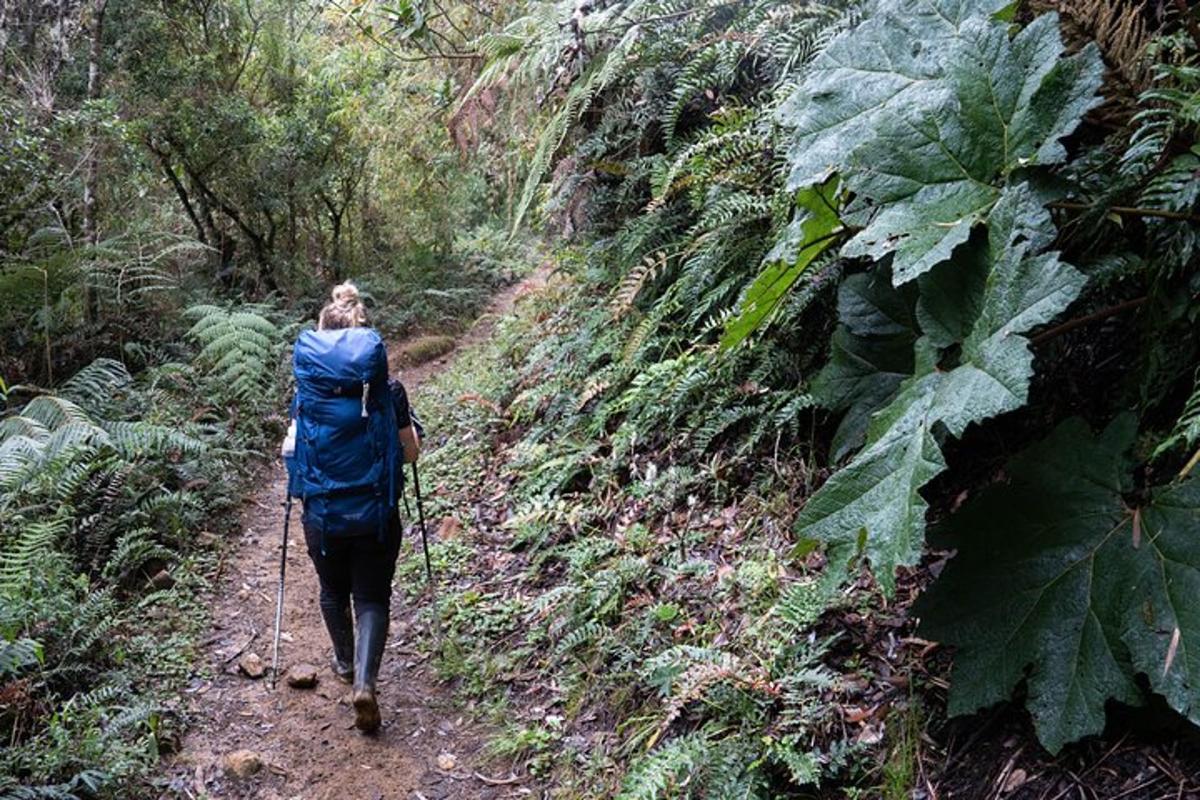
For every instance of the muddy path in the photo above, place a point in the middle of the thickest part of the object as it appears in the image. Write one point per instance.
(300, 744)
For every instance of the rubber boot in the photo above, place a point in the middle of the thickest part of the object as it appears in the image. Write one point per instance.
(341, 633)
(372, 635)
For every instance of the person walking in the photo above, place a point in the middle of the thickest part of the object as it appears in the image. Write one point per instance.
(353, 433)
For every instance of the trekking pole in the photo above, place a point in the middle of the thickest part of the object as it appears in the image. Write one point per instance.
(437, 622)
(287, 517)
(421, 518)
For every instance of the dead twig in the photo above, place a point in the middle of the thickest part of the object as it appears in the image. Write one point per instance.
(509, 781)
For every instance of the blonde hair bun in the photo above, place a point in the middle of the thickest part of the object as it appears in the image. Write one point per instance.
(345, 311)
(345, 294)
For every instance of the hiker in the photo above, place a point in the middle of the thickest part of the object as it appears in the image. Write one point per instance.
(354, 432)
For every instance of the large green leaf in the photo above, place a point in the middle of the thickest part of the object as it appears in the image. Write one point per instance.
(1082, 592)
(871, 354)
(927, 135)
(812, 232)
(874, 501)
(866, 75)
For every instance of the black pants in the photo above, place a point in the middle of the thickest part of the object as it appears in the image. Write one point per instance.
(361, 567)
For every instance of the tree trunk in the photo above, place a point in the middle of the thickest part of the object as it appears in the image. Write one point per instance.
(3, 39)
(335, 214)
(181, 191)
(91, 182)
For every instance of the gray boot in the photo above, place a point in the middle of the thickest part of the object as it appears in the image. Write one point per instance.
(372, 635)
(341, 633)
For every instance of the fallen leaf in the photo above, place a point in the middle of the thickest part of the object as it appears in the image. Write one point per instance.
(1016, 779)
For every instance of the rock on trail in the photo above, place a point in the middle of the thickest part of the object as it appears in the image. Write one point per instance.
(302, 676)
(242, 764)
(252, 666)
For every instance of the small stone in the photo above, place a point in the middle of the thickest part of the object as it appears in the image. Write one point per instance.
(252, 666)
(162, 580)
(243, 763)
(446, 762)
(302, 676)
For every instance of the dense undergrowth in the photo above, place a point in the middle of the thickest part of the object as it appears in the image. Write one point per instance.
(111, 488)
(841, 270)
(595, 602)
(118, 494)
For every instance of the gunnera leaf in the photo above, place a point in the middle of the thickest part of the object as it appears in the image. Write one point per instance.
(865, 75)
(927, 124)
(874, 502)
(871, 353)
(1059, 582)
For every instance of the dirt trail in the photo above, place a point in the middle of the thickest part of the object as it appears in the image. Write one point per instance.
(305, 738)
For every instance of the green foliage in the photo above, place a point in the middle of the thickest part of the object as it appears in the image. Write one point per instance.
(1087, 591)
(874, 502)
(926, 141)
(704, 160)
(1187, 428)
(806, 237)
(609, 608)
(18, 655)
(871, 353)
(94, 490)
(240, 350)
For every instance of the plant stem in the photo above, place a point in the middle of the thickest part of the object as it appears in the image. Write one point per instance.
(1131, 211)
(1072, 324)
(1190, 465)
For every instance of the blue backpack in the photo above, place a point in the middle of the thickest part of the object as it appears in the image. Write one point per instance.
(347, 464)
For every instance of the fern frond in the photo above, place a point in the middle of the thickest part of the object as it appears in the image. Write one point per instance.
(95, 384)
(17, 655)
(1186, 432)
(584, 635)
(21, 556)
(239, 350)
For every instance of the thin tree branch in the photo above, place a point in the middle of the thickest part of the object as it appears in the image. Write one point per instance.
(396, 54)
(169, 170)
(237, 76)
(446, 15)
